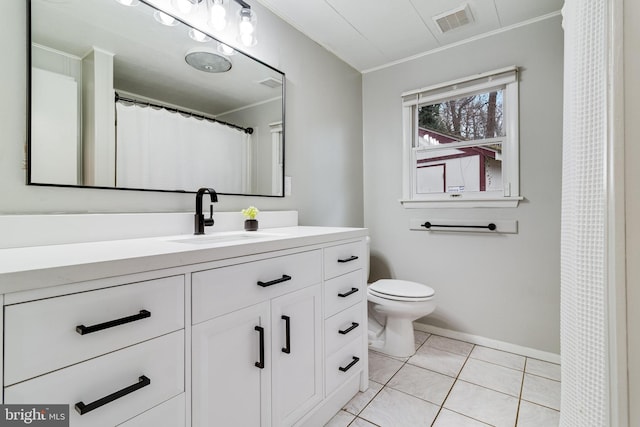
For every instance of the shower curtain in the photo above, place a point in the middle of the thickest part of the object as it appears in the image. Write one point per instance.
(584, 340)
(160, 149)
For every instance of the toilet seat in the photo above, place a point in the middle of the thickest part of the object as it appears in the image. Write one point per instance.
(401, 290)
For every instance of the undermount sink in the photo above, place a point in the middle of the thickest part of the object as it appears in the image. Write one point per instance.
(224, 237)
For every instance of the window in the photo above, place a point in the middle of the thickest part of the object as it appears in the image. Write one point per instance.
(461, 143)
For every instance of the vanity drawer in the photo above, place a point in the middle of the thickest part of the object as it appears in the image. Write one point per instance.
(343, 292)
(170, 413)
(344, 364)
(343, 327)
(226, 289)
(343, 258)
(160, 361)
(45, 335)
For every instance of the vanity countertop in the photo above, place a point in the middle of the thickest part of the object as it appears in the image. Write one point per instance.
(43, 266)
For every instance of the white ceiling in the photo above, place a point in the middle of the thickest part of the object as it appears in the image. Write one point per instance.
(372, 33)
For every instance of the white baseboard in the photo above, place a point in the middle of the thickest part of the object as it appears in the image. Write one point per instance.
(488, 342)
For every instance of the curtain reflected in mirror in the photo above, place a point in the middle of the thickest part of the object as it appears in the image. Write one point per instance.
(120, 101)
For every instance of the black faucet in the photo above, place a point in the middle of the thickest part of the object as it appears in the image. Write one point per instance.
(200, 221)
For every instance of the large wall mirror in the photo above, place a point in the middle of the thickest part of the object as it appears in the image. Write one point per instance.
(121, 100)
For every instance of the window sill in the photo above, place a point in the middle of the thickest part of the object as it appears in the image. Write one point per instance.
(502, 202)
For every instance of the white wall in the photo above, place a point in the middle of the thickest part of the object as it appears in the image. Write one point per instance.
(632, 198)
(323, 135)
(503, 287)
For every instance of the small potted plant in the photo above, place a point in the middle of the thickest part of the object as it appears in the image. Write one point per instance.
(250, 222)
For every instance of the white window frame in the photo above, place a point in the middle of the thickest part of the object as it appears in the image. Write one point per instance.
(506, 79)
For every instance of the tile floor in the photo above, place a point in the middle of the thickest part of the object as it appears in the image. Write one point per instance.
(451, 383)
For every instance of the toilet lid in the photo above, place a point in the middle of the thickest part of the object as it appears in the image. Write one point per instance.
(401, 290)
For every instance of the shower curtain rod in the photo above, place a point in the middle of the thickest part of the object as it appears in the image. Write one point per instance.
(248, 130)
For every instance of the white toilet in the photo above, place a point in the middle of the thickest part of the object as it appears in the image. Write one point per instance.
(393, 306)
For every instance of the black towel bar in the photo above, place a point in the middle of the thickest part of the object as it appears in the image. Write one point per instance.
(428, 226)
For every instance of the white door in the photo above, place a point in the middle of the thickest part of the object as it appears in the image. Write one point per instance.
(231, 380)
(296, 354)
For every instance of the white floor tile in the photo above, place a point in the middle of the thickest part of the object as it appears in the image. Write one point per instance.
(341, 419)
(359, 422)
(420, 337)
(492, 376)
(447, 344)
(436, 360)
(382, 368)
(502, 358)
(427, 385)
(479, 385)
(362, 399)
(532, 415)
(542, 391)
(482, 404)
(543, 369)
(392, 408)
(448, 418)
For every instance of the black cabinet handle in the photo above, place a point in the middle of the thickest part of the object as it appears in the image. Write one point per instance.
(284, 278)
(83, 409)
(260, 364)
(83, 330)
(349, 329)
(287, 329)
(351, 258)
(346, 294)
(350, 365)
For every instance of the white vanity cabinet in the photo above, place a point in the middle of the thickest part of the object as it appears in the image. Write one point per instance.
(267, 355)
(264, 334)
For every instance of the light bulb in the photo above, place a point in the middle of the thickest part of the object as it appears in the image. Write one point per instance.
(164, 19)
(217, 15)
(183, 6)
(226, 50)
(198, 36)
(246, 27)
(247, 22)
(246, 39)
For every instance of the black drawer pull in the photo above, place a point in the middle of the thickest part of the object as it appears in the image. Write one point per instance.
(83, 409)
(346, 294)
(284, 278)
(260, 364)
(351, 258)
(287, 329)
(349, 329)
(350, 365)
(83, 330)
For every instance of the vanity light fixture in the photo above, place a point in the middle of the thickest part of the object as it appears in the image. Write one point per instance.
(217, 14)
(164, 19)
(186, 6)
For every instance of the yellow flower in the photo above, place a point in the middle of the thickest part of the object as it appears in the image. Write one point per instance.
(251, 212)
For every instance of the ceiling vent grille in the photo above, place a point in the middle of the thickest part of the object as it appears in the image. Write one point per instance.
(271, 82)
(453, 19)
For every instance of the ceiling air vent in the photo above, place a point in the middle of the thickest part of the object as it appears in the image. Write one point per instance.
(453, 19)
(271, 82)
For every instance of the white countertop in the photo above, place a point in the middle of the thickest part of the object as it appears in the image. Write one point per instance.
(43, 266)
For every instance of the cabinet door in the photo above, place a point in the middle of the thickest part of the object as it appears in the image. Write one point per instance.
(296, 354)
(229, 388)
